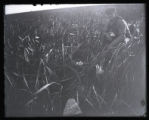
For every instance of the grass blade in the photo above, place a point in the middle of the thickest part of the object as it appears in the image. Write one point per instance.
(25, 81)
(45, 87)
(9, 80)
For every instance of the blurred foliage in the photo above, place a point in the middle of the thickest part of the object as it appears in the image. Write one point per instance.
(41, 51)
